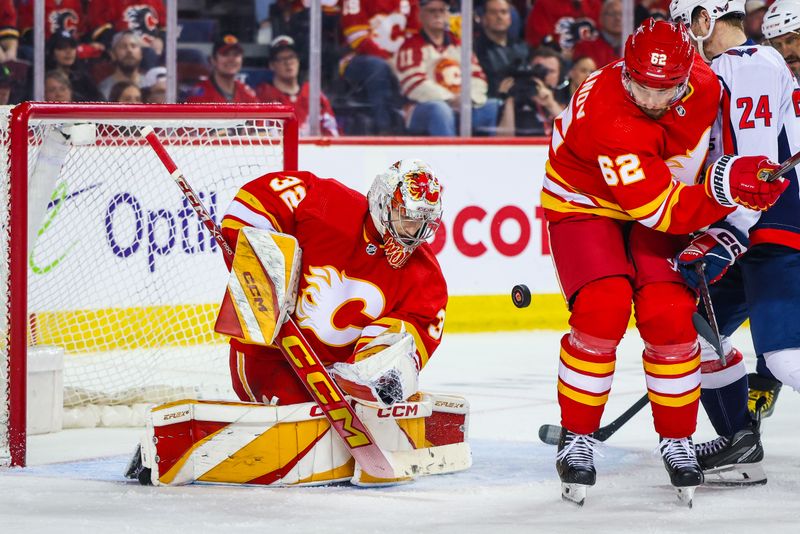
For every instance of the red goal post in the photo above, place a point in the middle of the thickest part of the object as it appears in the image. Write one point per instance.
(104, 261)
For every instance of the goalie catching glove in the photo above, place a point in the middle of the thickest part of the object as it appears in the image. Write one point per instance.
(387, 376)
(735, 180)
(718, 247)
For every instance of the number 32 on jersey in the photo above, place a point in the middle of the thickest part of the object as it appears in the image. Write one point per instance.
(625, 169)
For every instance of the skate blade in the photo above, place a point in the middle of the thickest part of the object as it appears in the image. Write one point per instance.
(736, 475)
(574, 493)
(685, 495)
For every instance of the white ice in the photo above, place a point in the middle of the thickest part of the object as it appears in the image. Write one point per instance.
(74, 481)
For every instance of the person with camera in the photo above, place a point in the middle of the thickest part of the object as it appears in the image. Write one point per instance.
(533, 96)
(498, 53)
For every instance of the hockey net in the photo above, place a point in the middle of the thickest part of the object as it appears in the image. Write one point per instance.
(118, 272)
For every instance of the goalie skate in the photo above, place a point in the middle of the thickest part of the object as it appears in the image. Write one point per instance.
(575, 465)
(681, 464)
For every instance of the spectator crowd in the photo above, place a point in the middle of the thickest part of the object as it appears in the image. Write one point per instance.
(390, 67)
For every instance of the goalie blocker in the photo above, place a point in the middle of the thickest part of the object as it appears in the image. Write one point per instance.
(242, 443)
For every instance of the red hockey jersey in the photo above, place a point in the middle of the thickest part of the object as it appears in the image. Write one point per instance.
(378, 27)
(8, 20)
(59, 15)
(267, 93)
(610, 159)
(348, 291)
(207, 92)
(144, 17)
(554, 20)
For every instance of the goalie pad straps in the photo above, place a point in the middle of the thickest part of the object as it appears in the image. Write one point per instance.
(262, 288)
(388, 376)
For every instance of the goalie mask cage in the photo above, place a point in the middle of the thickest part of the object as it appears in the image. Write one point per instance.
(106, 262)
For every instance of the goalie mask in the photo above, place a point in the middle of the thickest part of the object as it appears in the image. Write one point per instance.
(406, 207)
(658, 61)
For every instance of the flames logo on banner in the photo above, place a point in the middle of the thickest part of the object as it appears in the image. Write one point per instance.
(336, 307)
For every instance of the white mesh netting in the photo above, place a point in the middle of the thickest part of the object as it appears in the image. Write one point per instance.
(121, 273)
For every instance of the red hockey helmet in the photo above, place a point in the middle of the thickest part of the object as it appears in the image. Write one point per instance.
(659, 55)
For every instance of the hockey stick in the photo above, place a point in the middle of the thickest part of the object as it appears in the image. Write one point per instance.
(785, 167)
(708, 330)
(550, 434)
(299, 354)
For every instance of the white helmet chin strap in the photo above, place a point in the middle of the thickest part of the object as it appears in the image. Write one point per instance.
(701, 40)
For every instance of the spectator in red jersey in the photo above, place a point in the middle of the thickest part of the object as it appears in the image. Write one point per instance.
(126, 52)
(9, 34)
(222, 86)
(429, 69)
(57, 87)
(374, 31)
(146, 18)
(286, 88)
(62, 54)
(606, 46)
(59, 16)
(560, 24)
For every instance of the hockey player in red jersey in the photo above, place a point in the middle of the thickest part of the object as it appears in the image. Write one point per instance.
(617, 200)
(365, 261)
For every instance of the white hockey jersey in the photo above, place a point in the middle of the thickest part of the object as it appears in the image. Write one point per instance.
(760, 115)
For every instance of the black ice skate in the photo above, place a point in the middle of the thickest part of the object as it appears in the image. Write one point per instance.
(733, 460)
(681, 463)
(575, 465)
(762, 387)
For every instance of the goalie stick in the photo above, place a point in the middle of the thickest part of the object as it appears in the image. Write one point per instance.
(299, 354)
(550, 434)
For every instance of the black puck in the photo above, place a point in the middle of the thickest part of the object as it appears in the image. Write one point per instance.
(521, 296)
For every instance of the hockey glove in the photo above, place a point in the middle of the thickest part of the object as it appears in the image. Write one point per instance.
(385, 377)
(717, 247)
(734, 180)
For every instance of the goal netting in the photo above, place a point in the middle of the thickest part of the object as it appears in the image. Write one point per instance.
(118, 272)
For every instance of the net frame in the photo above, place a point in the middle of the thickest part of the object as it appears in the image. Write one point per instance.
(17, 144)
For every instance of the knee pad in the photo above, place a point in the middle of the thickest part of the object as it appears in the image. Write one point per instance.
(664, 313)
(785, 365)
(602, 308)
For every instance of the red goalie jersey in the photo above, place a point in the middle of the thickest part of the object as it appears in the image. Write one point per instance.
(610, 159)
(348, 292)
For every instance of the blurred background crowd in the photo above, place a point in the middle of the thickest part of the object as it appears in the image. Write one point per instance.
(388, 67)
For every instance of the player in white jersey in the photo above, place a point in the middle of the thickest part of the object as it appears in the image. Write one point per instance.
(760, 252)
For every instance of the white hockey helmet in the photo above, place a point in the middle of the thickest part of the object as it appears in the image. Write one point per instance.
(681, 10)
(781, 18)
(405, 203)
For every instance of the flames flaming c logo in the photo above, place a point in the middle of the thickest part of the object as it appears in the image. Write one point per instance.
(421, 185)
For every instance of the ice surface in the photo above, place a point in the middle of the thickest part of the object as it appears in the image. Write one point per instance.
(74, 482)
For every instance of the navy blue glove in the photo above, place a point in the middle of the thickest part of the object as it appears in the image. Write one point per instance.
(718, 247)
